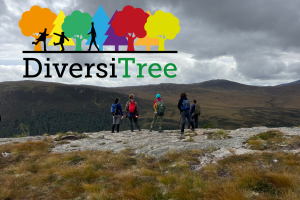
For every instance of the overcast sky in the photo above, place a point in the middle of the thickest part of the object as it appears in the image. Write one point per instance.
(254, 42)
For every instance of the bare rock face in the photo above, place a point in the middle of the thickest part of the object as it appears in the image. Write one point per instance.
(157, 144)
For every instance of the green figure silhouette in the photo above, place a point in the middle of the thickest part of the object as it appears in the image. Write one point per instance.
(94, 35)
(42, 38)
(61, 40)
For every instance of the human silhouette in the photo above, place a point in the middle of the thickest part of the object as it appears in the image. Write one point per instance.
(94, 35)
(61, 40)
(42, 38)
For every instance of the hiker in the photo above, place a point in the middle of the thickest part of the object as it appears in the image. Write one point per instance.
(184, 107)
(116, 111)
(94, 35)
(132, 112)
(159, 109)
(61, 40)
(195, 113)
(42, 38)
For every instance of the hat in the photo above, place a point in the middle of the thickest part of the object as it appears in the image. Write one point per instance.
(158, 96)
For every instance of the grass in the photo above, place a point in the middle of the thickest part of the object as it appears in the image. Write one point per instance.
(211, 149)
(60, 135)
(32, 172)
(273, 140)
(217, 135)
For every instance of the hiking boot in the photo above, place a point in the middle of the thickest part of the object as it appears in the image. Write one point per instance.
(150, 130)
(160, 130)
(140, 130)
(181, 137)
(192, 129)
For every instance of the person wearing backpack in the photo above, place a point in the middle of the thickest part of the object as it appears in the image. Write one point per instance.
(132, 112)
(116, 111)
(195, 112)
(159, 110)
(184, 107)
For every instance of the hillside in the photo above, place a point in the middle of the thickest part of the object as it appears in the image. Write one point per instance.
(52, 107)
(292, 83)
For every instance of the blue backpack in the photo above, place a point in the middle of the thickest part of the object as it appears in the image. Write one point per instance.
(185, 105)
(114, 109)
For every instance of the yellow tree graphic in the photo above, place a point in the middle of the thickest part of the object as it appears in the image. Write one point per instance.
(57, 29)
(163, 26)
(147, 41)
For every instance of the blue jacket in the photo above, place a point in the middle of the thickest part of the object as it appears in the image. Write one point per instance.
(119, 109)
(192, 109)
(180, 103)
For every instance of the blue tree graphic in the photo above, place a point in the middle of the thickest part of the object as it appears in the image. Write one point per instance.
(100, 20)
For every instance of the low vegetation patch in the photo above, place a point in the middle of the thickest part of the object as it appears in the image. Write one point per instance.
(69, 136)
(217, 135)
(31, 172)
(273, 140)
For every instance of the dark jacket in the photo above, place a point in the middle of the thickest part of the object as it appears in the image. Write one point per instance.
(192, 109)
(180, 103)
(119, 109)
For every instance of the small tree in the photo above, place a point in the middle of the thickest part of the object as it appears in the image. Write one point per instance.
(163, 26)
(35, 21)
(57, 29)
(147, 41)
(100, 20)
(25, 129)
(112, 38)
(130, 23)
(77, 26)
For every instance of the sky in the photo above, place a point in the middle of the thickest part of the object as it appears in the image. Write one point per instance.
(251, 42)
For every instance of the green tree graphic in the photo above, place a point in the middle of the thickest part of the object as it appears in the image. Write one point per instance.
(77, 26)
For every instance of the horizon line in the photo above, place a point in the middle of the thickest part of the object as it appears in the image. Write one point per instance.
(100, 52)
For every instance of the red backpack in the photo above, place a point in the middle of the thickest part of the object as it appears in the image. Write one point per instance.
(132, 107)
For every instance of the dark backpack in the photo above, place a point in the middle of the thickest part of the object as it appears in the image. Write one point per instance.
(114, 109)
(197, 109)
(132, 107)
(160, 108)
(185, 104)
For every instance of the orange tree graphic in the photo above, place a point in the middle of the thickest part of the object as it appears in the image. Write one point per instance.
(35, 21)
(130, 23)
(163, 26)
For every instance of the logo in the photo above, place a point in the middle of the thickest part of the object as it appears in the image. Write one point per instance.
(130, 27)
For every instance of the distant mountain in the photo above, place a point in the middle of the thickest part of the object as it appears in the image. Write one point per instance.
(53, 107)
(292, 83)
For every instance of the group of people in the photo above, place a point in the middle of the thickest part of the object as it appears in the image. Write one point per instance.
(187, 112)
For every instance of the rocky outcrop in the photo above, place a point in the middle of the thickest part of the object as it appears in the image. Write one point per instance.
(157, 144)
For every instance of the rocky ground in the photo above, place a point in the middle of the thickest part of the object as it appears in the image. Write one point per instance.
(157, 144)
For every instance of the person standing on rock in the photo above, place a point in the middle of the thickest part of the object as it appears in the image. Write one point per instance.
(195, 113)
(116, 111)
(132, 112)
(184, 107)
(159, 110)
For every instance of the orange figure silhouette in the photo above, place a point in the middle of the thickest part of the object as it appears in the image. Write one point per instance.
(36, 21)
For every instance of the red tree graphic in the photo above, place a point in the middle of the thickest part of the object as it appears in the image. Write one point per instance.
(130, 23)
